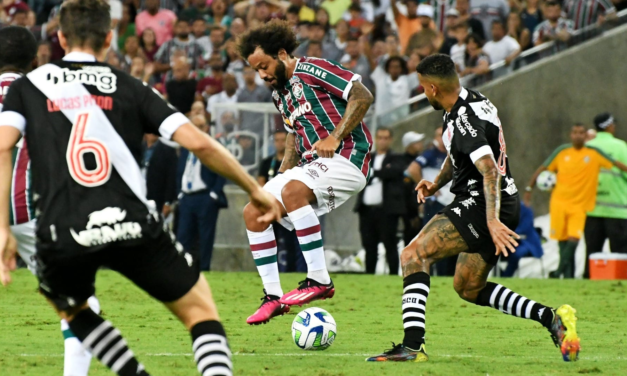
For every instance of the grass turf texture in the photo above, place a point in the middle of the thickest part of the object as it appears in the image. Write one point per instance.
(462, 339)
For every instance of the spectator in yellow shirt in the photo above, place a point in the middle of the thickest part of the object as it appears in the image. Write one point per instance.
(577, 167)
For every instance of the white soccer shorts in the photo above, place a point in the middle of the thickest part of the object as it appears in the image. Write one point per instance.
(25, 235)
(333, 181)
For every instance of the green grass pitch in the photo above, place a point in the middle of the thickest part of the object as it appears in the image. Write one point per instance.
(462, 339)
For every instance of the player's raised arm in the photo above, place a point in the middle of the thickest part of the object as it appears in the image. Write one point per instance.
(359, 101)
(9, 136)
(503, 237)
(426, 188)
(215, 156)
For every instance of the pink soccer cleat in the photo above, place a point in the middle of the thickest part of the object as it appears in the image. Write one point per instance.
(308, 291)
(270, 308)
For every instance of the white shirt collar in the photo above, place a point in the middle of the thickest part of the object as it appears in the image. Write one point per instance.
(463, 93)
(79, 57)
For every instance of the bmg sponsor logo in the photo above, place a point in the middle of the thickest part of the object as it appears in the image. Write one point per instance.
(102, 78)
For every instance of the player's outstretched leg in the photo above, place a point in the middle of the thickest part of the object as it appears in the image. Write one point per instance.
(470, 283)
(264, 248)
(104, 341)
(198, 312)
(76, 358)
(437, 240)
(318, 285)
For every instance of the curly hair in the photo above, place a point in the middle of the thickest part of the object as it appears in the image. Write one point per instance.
(271, 37)
(401, 61)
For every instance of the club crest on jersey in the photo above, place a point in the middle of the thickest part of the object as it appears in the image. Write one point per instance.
(300, 111)
(106, 226)
(297, 89)
(101, 77)
(462, 117)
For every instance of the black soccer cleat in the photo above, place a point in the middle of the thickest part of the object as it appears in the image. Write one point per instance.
(400, 353)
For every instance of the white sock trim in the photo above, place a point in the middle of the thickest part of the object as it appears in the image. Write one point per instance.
(264, 233)
(301, 213)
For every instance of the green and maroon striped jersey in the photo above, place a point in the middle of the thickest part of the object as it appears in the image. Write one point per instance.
(313, 102)
(21, 209)
(586, 12)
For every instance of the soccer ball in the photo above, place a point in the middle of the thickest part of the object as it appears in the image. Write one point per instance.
(546, 180)
(314, 329)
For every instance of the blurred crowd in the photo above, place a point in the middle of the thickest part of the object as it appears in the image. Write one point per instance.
(186, 48)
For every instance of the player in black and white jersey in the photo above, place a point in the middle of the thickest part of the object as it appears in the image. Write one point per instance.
(84, 122)
(478, 225)
(18, 50)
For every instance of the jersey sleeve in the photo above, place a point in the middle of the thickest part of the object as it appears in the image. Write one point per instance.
(327, 75)
(604, 160)
(13, 113)
(424, 159)
(471, 134)
(551, 162)
(161, 118)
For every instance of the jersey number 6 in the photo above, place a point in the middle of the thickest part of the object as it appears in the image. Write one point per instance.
(80, 145)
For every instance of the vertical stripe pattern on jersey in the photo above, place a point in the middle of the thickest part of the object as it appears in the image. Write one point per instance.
(20, 187)
(323, 87)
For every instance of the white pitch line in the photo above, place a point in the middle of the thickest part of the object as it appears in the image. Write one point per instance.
(322, 354)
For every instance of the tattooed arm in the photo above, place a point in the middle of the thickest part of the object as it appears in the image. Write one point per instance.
(291, 157)
(359, 100)
(426, 188)
(503, 237)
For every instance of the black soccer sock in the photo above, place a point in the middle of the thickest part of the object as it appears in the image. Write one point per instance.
(415, 293)
(211, 349)
(505, 300)
(105, 342)
(570, 248)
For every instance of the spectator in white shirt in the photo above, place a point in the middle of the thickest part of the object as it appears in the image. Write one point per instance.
(218, 114)
(458, 50)
(199, 29)
(116, 15)
(502, 46)
(393, 85)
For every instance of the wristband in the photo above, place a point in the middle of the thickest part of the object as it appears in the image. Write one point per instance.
(528, 189)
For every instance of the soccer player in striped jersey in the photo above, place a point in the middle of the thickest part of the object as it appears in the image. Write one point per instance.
(19, 49)
(327, 160)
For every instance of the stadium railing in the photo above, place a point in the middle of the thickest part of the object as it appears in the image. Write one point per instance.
(500, 69)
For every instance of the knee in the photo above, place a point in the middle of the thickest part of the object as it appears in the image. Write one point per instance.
(467, 290)
(251, 213)
(414, 253)
(295, 195)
